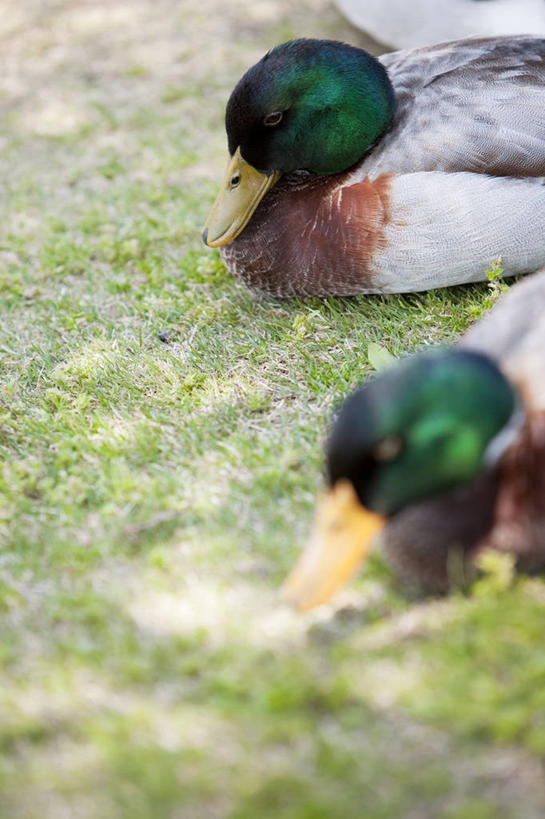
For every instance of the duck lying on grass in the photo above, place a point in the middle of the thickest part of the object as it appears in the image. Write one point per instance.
(421, 22)
(350, 174)
(448, 449)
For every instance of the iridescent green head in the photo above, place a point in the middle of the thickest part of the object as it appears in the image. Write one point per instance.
(423, 427)
(312, 105)
(428, 425)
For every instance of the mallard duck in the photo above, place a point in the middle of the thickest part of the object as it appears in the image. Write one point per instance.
(350, 174)
(446, 450)
(422, 22)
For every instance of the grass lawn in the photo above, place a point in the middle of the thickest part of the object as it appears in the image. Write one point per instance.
(154, 493)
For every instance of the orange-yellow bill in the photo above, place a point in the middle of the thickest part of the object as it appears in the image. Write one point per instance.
(342, 536)
(242, 190)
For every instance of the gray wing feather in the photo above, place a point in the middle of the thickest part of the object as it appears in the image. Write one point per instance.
(513, 334)
(473, 105)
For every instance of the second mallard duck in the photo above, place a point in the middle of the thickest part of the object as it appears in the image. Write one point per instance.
(350, 174)
(448, 449)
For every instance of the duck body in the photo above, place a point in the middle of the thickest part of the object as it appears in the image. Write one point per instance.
(446, 451)
(503, 508)
(453, 182)
(423, 22)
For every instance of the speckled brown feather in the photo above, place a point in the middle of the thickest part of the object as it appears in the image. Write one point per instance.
(519, 517)
(432, 544)
(291, 245)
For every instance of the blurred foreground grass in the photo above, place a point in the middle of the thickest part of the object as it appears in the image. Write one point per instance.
(153, 494)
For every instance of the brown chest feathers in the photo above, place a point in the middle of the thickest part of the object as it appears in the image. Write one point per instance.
(432, 545)
(520, 505)
(313, 236)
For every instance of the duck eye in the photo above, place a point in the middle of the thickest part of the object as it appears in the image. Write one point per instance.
(235, 179)
(273, 119)
(388, 448)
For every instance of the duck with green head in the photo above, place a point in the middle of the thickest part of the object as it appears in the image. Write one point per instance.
(445, 452)
(350, 174)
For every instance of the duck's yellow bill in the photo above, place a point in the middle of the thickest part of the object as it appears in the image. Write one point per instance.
(242, 190)
(342, 536)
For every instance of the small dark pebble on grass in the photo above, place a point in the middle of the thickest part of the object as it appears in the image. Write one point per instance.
(167, 335)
